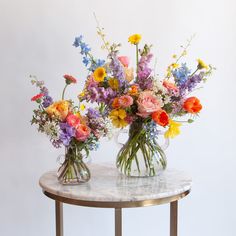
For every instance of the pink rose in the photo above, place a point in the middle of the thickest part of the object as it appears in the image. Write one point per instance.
(82, 132)
(124, 60)
(73, 120)
(125, 101)
(147, 104)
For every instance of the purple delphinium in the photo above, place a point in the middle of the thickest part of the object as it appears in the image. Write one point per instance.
(67, 132)
(144, 78)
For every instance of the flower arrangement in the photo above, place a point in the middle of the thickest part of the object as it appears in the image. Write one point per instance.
(137, 98)
(71, 126)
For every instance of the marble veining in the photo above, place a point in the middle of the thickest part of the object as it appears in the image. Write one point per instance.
(107, 184)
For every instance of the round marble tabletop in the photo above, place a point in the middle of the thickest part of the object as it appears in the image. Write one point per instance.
(108, 188)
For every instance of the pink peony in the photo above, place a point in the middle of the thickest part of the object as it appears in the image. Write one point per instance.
(124, 60)
(147, 104)
(82, 132)
(73, 120)
(125, 101)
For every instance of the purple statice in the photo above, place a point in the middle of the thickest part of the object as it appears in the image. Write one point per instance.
(144, 78)
(190, 83)
(67, 133)
(56, 143)
(47, 101)
(44, 90)
(93, 113)
(181, 74)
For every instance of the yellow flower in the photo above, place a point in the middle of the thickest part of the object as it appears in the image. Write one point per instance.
(118, 118)
(99, 74)
(174, 56)
(134, 39)
(175, 65)
(58, 109)
(82, 107)
(173, 130)
(113, 83)
(129, 74)
(202, 65)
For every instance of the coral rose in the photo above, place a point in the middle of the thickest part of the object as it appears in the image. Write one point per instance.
(192, 105)
(147, 104)
(170, 86)
(82, 132)
(161, 117)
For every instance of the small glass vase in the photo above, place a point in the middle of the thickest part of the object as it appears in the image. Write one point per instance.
(141, 155)
(73, 170)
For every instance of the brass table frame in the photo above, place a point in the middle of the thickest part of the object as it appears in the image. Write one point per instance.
(173, 200)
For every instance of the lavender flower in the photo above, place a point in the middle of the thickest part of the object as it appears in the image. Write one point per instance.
(67, 132)
(116, 67)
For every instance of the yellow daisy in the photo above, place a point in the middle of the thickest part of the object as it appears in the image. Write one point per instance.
(99, 74)
(202, 65)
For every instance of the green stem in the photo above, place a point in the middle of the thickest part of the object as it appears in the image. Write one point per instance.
(63, 92)
(137, 59)
(194, 73)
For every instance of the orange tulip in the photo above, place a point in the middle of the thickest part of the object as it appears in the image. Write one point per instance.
(160, 117)
(192, 105)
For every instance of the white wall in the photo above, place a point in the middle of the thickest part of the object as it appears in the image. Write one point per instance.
(36, 38)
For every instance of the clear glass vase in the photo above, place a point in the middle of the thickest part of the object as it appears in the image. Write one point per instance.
(73, 170)
(141, 155)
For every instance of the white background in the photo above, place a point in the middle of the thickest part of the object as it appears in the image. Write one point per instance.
(36, 38)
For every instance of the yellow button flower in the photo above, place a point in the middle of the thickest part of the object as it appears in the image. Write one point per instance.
(118, 118)
(134, 39)
(202, 65)
(58, 109)
(99, 74)
(82, 107)
(173, 130)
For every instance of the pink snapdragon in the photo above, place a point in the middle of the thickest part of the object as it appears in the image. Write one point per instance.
(124, 60)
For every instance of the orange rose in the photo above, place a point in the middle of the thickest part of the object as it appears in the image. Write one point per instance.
(192, 105)
(160, 117)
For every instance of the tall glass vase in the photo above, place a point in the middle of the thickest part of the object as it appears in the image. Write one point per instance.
(141, 155)
(73, 170)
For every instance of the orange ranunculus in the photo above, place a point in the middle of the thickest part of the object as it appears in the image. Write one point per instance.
(192, 105)
(115, 103)
(133, 89)
(160, 117)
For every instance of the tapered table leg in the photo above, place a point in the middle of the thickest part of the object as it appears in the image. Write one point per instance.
(118, 222)
(174, 218)
(59, 218)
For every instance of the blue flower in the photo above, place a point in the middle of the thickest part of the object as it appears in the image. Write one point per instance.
(86, 61)
(67, 132)
(77, 41)
(181, 74)
(84, 48)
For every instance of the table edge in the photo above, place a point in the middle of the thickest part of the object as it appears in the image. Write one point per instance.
(121, 204)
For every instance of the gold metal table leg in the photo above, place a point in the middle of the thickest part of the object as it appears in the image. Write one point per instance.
(174, 218)
(59, 218)
(118, 221)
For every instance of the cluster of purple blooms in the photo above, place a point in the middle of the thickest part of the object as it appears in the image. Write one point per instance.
(144, 79)
(66, 134)
(185, 81)
(47, 100)
(88, 60)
